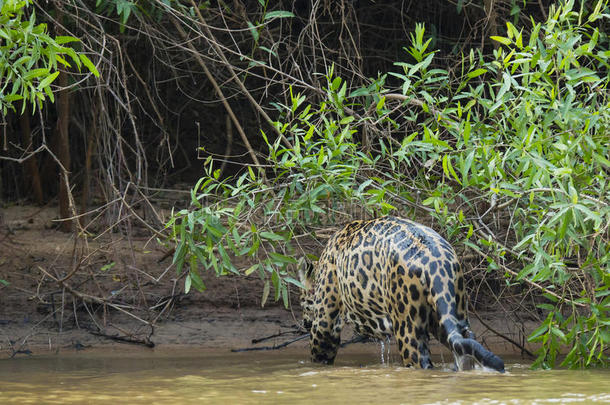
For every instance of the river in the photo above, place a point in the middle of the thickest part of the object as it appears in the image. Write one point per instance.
(221, 377)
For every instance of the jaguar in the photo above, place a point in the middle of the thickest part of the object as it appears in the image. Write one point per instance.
(391, 277)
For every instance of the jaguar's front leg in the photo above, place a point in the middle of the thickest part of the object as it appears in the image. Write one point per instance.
(325, 340)
(327, 322)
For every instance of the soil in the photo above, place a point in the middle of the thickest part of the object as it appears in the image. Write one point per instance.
(228, 314)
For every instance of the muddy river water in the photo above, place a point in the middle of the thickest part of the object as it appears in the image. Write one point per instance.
(221, 377)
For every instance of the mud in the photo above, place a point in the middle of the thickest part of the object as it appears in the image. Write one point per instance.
(227, 315)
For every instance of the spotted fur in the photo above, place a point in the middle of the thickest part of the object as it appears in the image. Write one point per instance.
(390, 276)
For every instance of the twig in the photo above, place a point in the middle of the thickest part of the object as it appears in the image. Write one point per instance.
(274, 347)
(530, 282)
(241, 85)
(255, 341)
(219, 92)
(145, 342)
(503, 336)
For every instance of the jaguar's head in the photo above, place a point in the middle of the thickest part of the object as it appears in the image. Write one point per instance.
(307, 294)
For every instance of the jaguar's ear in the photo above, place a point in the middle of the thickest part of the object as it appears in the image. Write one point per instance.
(306, 274)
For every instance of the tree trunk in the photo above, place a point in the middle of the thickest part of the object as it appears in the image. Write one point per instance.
(31, 165)
(92, 137)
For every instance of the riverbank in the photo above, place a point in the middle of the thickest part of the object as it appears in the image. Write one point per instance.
(121, 294)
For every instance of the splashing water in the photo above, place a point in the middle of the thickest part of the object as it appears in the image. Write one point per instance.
(385, 355)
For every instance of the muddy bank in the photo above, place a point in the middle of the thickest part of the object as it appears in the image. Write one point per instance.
(216, 329)
(38, 316)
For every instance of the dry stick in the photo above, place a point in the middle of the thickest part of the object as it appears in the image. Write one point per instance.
(275, 347)
(13, 343)
(146, 341)
(219, 92)
(532, 283)
(92, 298)
(503, 336)
(91, 137)
(236, 79)
(255, 341)
(152, 104)
(229, 130)
(63, 118)
(132, 211)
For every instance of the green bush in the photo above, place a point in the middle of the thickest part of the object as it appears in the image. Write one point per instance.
(508, 155)
(29, 57)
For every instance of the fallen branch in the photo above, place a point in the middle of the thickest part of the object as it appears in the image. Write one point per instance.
(274, 347)
(503, 336)
(125, 339)
(255, 341)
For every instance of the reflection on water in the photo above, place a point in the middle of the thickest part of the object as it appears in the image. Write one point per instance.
(278, 377)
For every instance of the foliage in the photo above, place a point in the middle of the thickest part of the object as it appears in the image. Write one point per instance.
(532, 137)
(29, 57)
(509, 155)
(263, 219)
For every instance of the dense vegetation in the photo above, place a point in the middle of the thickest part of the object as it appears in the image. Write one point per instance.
(498, 138)
(508, 154)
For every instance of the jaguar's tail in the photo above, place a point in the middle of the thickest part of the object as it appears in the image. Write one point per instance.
(465, 348)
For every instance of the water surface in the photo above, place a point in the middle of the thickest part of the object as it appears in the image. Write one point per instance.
(188, 377)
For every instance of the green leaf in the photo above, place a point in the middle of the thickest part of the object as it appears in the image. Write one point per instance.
(380, 104)
(448, 168)
(541, 330)
(278, 14)
(35, 73)
(87, 62)
(270, 51)
(252, 269)
(62, 39)
(346, 120)
(477, 72)
(13, 97)
(271, 236)
(196, 280)
(602, 160)
(335, 84)
(108, 266)
(558, 332)
(46, 82)
(466, 134)
(253, 31)
(285, 296)
(281, 259)
(275, 280)
(502, 40)
(187, 284)
(294, 282)
(363, 91)
(266, 289)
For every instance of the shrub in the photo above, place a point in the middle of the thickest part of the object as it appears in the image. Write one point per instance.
(508, 155)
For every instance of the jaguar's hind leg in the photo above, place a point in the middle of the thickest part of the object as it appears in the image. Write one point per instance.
(411, 335)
